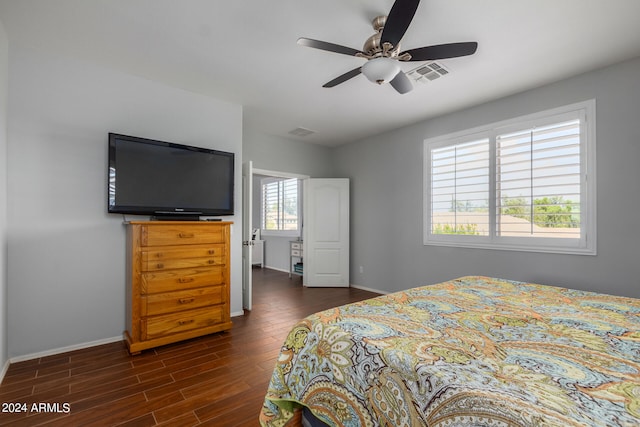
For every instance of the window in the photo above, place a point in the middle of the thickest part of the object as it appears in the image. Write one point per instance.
(524, 184)
(280, 207)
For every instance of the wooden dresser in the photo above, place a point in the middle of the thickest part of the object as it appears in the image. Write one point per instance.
(177, 281)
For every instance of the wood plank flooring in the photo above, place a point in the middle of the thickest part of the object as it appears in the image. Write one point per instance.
(217, 380)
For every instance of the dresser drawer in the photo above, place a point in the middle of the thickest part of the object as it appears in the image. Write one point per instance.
(151, 263)
(158, 326)
(171, 302)
(182, 252)
(181, 235)
(166, 281)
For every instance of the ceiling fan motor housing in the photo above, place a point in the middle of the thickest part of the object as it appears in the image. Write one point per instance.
(373, 46)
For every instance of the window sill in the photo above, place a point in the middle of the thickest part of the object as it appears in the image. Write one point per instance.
(276, 233)
(515, 247)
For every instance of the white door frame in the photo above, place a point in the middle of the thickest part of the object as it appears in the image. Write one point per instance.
(278, 174)
(247, 230)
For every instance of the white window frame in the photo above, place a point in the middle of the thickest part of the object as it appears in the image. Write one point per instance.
(585, 245)
(282, 233)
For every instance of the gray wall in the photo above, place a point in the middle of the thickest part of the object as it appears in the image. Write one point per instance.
(386, 196)
(4, 71)
(276, 154)
(283, 155)
(66, 264)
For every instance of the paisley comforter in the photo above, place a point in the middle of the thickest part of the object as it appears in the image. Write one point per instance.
(475, 351)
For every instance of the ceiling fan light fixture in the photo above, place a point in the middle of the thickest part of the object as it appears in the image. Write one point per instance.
(381, 70)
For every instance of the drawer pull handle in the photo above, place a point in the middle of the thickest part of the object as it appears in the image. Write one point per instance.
(186, 300)
(185, 280)
(185, 322)
(212, 261)
(186, 235)
(160, 265)
(212, 251)
(159, 255)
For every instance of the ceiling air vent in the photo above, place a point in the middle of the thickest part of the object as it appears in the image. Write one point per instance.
(302, 132)
(427, 72)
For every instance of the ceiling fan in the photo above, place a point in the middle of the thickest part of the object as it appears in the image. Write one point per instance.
(382, 50)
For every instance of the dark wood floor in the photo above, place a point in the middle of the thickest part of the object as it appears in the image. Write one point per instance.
(217, 380)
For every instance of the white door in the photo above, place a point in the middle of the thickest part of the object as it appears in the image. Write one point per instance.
(247, 230)
(326, 232)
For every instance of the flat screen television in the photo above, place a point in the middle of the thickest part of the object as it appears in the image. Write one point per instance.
(164, 179)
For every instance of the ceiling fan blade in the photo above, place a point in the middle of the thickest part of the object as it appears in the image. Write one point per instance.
(398, 20)
(401, 83)
(442, 51)
(343, 78)
(331, 47)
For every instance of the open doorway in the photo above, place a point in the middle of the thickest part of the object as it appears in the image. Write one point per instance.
(272, 245)
(277, 217)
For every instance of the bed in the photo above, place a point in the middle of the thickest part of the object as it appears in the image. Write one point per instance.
(474, 351)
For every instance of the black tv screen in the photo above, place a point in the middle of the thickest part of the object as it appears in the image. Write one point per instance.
(149, 177)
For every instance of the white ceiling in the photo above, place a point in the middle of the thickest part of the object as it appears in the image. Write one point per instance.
(245, 52)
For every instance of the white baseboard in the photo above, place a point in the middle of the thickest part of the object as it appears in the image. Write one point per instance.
(276, 269)
(5, 368)
(364, 288)
(65, 349)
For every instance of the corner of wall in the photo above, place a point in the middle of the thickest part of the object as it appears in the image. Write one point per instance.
(4, 73)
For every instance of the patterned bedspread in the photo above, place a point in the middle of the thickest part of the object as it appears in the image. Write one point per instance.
(474, 351)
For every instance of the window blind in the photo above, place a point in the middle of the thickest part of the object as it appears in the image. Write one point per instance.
(280, 205)
(460, 188)
(538, 182)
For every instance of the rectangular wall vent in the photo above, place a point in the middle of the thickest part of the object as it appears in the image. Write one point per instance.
(427, 72)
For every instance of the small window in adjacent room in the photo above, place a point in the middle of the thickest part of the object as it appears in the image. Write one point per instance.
(280, 211)
(523, 184)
